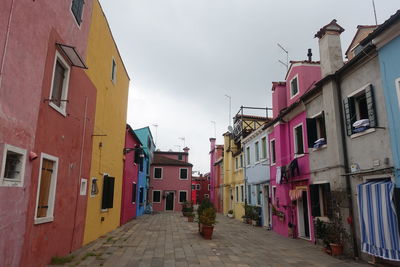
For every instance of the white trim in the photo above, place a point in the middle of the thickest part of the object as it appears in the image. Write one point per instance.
(355, 135)
(309, 221)
(152, 196)
(63, 104)
(273, 194)
(113, 71)
(13, 182)
(198, 187)
(154, 173)
(237, 198)
(187, 173)
(270, 152)
(179, 196)
(296, 155)
(316, 115)
(173, 201)
(208, 187)
(290, 86)
(242, 196)
(266, 148)
(321, 182)
(83, 187)
(52, 191)
(257, 150)
(356, 92)
(248, 156)
(397, 85)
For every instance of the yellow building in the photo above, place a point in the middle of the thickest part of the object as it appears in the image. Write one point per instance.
(234, 182)
(107, 72)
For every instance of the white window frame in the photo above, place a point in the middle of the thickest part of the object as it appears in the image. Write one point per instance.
(236, 163)
(296, 155)
(152, 196)
(179, 196)
(266, 147)
(13, 182)
(83, 187)
(237, 198)
(113, 71)
(290, 86)
(248, 156)
(397, 84)
(187, 173)
(241, 161)
(63, 104)
(206, 195)
(242, 196)
(52, 192)
(257, 151)
(273, 193)
(154, 173)
(198, 187)
(273, 159)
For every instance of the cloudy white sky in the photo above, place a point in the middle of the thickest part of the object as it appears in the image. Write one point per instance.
(184, 56)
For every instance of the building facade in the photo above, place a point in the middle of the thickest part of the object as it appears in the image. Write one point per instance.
(201, 188)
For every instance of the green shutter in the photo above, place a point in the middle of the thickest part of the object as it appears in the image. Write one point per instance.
(314, 195)
(369, 94)
(311, 132)
(326, 190)
(349, 113)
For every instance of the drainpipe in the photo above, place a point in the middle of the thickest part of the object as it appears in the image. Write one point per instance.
(346, 165)
(3, 57)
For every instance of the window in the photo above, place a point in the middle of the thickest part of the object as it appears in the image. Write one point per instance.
(257, 151)
(236, 163)
(274, 195)
(193, 187)
(206, 195)
(94, 189)
(241, 160)
(180, 157)
(141, 195)
(114, 79)
(359, 110)
(272, 150)
(264, 147)
(237, 193)
(298, 140)
(182, 196)
(59, 84)
(294, 87)
(242, 193)
(259, 194)
(183, 174)
(46, 193)
(157, 173)
(77, 10)
(107, 201)
(320, 196)
(83, 188)
(13, 166)
(249, 194)
(197, 187)
(316, 133)
(156, 196)
(149, 143)
(134, 188)
(248, 155)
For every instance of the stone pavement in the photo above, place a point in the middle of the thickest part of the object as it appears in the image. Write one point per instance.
(167, 239)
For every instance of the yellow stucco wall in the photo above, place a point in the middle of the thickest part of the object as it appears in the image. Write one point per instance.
(232, 177)
(110, 121)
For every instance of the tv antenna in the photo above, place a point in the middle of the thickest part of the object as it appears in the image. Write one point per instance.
(230, 108)
(156, 126)
(215, 128)
(287, 57)
(373, 5)
(183, 139)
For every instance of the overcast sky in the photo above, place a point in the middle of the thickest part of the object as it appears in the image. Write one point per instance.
(184, 56)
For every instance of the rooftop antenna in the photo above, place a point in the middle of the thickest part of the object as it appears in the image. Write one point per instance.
(309, 55)
(156, 126)
(215, 128)
(183, 139)
(230, 108)
(373, 5)
(178, 146)
(287, 57)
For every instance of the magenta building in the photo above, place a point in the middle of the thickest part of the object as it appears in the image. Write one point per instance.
(170, 180)
(132, 160)
(289, 168)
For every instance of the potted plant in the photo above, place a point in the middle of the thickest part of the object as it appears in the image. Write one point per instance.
(187, 209)
(230, 213)
(207, 220)
(191, 217)
(248, 211)
(203, 206)
(337, 236)
(255, 219)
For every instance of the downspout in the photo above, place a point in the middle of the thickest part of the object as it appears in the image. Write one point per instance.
(346, 165)
(3, 57)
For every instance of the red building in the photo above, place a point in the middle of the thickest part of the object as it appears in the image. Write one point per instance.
(170, 180)
(47, 105)
(132, 161)
(219, 182)
(200, 188)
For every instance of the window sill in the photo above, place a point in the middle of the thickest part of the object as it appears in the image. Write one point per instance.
(10, 183)
(273, 164)
(296, 156)
(322, 219)
(370, 130)
(44, 220)
(58, 109)
(320, 148)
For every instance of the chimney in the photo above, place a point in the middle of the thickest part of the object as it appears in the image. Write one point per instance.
(330, 50)
(212, 144)
(186, 149)
(309, 55)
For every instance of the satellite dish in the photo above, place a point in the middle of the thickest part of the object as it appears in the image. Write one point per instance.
(230, 129)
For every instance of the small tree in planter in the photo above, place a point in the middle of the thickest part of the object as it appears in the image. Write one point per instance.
(187, 208)
(205, 204)
(207, 219)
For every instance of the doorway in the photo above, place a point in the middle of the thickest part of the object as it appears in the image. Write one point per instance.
(169, 201)
(266, 212)
(302, 216)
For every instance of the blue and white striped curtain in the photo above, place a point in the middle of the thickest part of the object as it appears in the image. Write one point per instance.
(378, 220)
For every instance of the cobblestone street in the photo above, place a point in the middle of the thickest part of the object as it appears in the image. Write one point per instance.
(167, 239)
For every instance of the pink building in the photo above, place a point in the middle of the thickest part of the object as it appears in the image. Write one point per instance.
(132, 161)
(170, 180)
(216, 152)
(290, 171)
(35, 119)
(200, 188)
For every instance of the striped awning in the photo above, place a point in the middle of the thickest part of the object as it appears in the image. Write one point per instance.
(378, 220)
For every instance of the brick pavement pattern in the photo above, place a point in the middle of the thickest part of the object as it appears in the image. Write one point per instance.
(167, 239)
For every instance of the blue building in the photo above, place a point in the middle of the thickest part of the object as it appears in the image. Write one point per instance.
(256, 172)
(386, 38)
(146, 138)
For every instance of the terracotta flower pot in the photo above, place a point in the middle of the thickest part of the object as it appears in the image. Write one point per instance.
(190, 219)
(207, 231)
(337, 249)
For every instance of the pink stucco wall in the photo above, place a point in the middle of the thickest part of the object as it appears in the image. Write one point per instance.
(130, 177)
(170, 182)
(308, 74)
(25, 28)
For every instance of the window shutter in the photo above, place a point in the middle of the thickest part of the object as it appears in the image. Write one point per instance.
(349, 113)
(326, 190)
(311, 132)
(369, 94)
(314, 195)
(133, 193)
(138, 151)
(107, 201)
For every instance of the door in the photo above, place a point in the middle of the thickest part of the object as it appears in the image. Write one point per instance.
(169, 201)
(302, 216)
(266, 211)
(230, 199)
